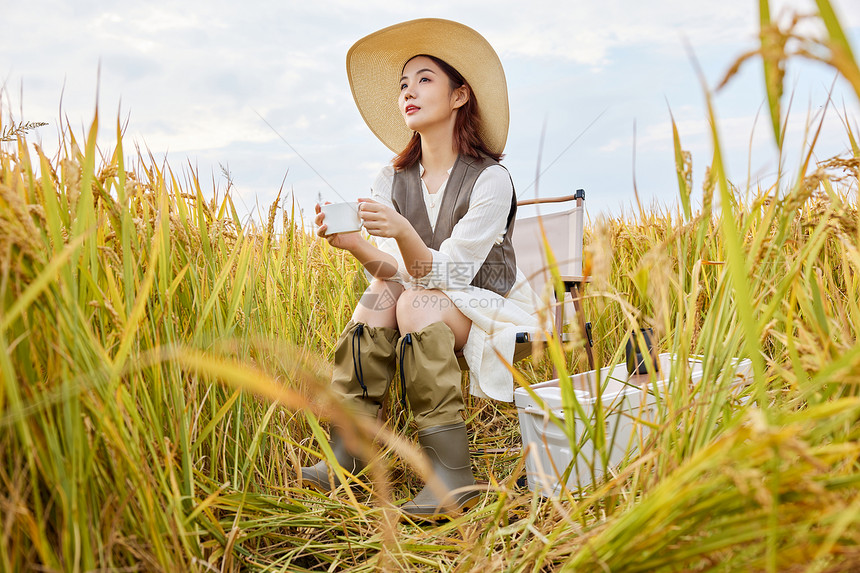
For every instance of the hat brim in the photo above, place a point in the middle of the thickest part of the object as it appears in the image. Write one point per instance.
(375, 63)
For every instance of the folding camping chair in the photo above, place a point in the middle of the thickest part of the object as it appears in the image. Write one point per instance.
(564, 233)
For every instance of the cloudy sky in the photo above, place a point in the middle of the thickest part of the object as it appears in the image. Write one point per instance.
(194, 78)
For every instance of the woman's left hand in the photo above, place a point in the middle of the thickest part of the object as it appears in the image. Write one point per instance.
(382, 221)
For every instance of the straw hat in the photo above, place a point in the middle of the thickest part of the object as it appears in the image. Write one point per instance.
(375, 63)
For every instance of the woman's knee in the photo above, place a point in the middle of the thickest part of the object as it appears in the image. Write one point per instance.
(419, 308)
(414, 310)
(378, 304)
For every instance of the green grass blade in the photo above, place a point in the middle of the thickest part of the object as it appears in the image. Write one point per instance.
(681, 168)
(772, 56)
(842, 56)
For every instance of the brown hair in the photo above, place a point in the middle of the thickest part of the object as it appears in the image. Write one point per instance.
(467, 139)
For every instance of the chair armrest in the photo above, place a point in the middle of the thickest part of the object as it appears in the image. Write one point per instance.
(579, 195)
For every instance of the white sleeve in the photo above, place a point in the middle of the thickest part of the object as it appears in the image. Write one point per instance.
(381, 192)
(461, 255)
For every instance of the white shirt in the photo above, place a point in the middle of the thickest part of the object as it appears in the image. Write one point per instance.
(472, 237)
(433, 201)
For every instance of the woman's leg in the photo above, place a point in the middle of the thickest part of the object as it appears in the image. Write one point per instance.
(432, 328)
(364, 365)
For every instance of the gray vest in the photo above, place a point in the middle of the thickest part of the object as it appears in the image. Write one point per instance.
(499, 269)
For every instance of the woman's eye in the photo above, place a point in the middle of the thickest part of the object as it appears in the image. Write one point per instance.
(424, 80)
(402, 87)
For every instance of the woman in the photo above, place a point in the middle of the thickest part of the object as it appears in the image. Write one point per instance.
(443, 267)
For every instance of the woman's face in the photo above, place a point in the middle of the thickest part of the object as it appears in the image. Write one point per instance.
(427, 100)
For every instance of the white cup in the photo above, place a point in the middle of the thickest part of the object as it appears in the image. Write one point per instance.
(341, 217)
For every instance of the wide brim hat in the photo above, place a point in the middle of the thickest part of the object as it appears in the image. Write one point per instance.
(375, 63)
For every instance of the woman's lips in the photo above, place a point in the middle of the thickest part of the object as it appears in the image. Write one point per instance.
(410, 109)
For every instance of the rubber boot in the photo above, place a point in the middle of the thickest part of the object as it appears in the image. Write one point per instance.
(431, 376)
(364, 365)
(317, 476)
(448, 450)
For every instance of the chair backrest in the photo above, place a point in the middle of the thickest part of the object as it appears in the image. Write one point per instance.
(564, 233)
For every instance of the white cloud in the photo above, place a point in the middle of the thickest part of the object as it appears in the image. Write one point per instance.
(192, 76)
(587, 32)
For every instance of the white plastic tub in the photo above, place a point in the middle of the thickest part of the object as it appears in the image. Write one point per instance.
(626, 401)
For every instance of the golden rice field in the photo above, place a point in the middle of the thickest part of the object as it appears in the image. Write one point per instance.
(165, 370)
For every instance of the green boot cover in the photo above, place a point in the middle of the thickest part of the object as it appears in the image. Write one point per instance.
(364, 365)
(431, 376)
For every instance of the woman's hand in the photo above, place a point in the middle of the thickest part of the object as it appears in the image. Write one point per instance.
(381, 220)
(348, 241)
